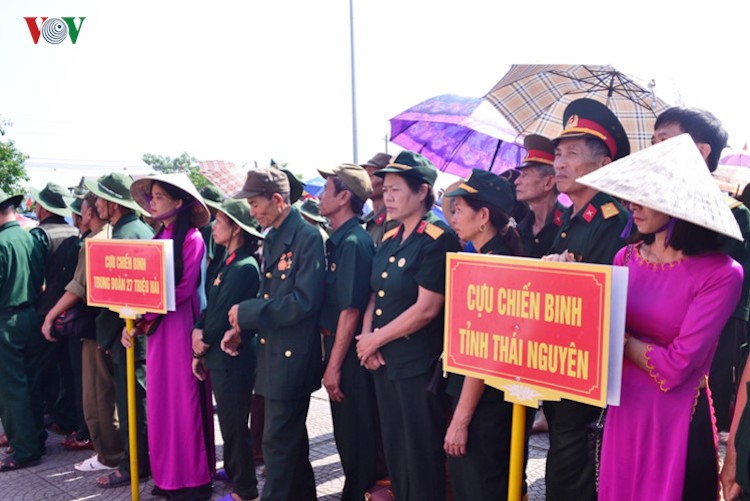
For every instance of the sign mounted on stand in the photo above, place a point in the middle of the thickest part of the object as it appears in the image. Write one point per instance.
(537, 330)
(130, 276)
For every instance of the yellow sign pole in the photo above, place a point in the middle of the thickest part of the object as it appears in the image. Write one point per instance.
(517, 433)
(132, 438)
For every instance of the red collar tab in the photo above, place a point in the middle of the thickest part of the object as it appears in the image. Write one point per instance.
(589, 213)
(539, 156)
(381, 218)
(421, 227)
(577, 124)
(230, 258)
(557, 219)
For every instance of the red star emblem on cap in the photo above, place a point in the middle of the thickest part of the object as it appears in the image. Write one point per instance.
(589, 213)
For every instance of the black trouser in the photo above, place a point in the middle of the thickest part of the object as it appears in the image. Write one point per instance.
(75, 348)
(726, 370)
(286, 450)
(121, 396)
(413, 424)
(569, 473)
(355, 426)
(482, 474)
(22, 409)
(233, 390)
(58, 386)
(702, 469)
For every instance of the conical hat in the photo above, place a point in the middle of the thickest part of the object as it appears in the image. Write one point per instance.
(141, 191)
(669, 177)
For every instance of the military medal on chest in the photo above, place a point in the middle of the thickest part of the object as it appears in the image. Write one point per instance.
(285, 261)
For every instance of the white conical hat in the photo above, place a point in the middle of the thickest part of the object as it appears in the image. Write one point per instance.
(669, 177)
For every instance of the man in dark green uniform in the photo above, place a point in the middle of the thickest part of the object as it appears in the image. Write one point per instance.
(21, 342)
(536, 186)
(590, 232)
(57, 239)
(115, 205)
(232, 375)
(349, 253)
(286, 318)
(710, 137)
(377, 221)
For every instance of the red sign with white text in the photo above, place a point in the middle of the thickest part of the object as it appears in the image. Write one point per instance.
(537, 330)
(127, 275)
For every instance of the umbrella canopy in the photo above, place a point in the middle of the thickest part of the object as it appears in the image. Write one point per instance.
(532, 98)
(737, 158)
(458, 134)
(224, 175)
(315, 185)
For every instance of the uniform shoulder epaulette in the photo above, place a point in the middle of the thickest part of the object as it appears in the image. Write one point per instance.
(609, 210)
(732, 202)
(390, 233)
(433, 231)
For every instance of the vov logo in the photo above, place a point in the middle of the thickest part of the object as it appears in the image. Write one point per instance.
(54, 30)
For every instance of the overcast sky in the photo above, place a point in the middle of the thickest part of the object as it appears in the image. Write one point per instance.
(251, 80)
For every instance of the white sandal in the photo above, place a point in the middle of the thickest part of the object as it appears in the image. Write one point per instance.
(92, 464)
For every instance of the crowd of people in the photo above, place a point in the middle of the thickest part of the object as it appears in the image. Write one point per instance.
(277, 294)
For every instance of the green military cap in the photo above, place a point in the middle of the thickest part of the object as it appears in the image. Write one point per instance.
(115, 188)
(238, 210)
(296, 187)
(489, 188)
(14, 200)
(310, 208)
(53, 197)
(379, 161)
(355, 177)
(212, 193)
(75, 205)
(408, 163)
(264, 181)
(539, 151)
(586, 117)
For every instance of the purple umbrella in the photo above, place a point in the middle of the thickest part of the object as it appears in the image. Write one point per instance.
(458, 134)
(738, 158)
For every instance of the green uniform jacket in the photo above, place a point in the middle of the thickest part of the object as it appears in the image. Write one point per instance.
(109, 324)
(740, 252)
(539, 245)
(21, 267)
(235, 280)
(377, 224)
(592, 235)
(349, 252)
(286, 313)
(398, 270)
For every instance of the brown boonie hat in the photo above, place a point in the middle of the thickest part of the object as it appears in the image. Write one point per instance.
(379, 161)
(355, 177)
(264, 181)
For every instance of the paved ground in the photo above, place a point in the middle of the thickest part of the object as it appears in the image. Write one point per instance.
(56, 479)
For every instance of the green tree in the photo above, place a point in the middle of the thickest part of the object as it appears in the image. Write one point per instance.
(184, 163)
(12, 163)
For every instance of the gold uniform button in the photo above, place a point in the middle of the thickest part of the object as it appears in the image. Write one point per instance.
(266, 296)
(392, 259)
(381, 293)
(269, 275)
(384, 274)
(262, 340)
(283, 276)
(536, 240)
(288, 353)
(563, 235)
(378, 312)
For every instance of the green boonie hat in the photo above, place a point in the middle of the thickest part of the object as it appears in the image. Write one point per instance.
(212, 193)
(54, 198)
(141, 192)
(115, 188)
(311, 209)
(75, 205)
(239, 211)
(355, 177)
(15, 200)
(488, 188)
(408, 163)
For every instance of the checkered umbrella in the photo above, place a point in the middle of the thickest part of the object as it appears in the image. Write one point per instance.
(533, 98)
(458, 134)
(224, 175)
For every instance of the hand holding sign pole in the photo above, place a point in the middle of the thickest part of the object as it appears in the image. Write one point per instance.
(130, 277)
(536, 330)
